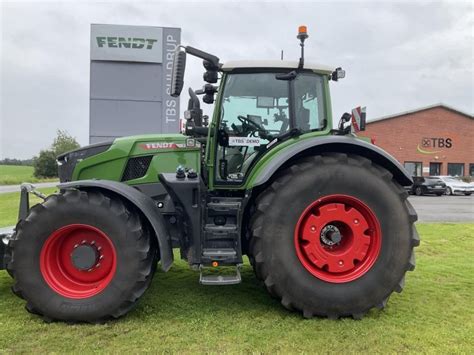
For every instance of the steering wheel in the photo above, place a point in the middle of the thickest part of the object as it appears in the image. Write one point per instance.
(251, 122)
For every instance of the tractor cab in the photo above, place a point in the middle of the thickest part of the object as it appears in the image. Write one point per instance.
(259, 104)
(262, 103)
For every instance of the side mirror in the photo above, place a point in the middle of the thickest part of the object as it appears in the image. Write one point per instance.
(177, 78)
(337, 74)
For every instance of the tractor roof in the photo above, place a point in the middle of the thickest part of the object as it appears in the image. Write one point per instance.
(288, 64)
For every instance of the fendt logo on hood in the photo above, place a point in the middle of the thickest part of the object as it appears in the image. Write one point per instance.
(126, 42)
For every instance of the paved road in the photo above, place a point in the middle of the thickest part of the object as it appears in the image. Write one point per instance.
(444, 208)
(14, 188)
(429, 208)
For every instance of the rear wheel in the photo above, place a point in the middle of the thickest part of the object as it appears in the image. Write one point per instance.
(343, 241)
(467, 193)
(418, 191)
(82, 256)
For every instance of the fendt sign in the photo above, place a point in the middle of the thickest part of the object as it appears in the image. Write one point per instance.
(131, 81)
(127, 43)
(122, 42)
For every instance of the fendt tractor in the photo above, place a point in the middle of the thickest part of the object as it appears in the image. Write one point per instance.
(321, 214)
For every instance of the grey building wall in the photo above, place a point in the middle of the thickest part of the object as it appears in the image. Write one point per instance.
(130, 77)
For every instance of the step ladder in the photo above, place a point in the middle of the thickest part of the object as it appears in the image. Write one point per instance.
(220, 280)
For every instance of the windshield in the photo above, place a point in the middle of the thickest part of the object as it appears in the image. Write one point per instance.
(453, 180)
(258, 95)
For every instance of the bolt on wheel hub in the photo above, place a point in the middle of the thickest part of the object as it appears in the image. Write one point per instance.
(337, 238)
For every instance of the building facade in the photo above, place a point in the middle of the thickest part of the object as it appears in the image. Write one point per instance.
(130, 81)
(434, 140)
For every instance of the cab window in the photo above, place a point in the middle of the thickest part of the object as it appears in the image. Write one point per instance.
(309, 106)
(251, 104)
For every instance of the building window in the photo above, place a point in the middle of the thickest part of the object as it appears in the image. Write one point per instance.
(414, 168)
(471, 169)
(435, 169)
(456, 169)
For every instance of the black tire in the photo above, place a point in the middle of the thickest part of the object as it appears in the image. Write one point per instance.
(272, 243)
(135, 255)
(439, 194)
(467, 193)
(418, 191)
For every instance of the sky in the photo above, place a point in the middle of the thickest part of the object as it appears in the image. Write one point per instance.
(398, 55)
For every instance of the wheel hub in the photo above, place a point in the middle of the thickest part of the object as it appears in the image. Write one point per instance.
(85, 257)
(330, 235)
(337, 238)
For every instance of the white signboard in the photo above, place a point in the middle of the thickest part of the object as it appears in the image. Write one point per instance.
(244, 141)
(127, 43)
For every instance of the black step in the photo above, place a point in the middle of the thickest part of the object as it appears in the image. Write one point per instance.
(225, 228)
(226, 206)
(217, 254)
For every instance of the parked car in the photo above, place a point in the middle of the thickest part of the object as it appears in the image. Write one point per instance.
(428, 185)
(455, 185)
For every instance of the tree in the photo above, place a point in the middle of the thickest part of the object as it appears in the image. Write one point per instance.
(64, 143)
(45, 164)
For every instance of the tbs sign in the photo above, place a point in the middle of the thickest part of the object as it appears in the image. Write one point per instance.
(436, 143)
(432, 145)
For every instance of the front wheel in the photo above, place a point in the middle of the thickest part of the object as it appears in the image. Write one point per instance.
(82, 257)
(333, 236)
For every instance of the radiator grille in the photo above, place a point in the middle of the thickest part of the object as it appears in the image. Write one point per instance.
(136, 167)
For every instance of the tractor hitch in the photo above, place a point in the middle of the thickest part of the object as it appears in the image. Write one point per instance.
(6, 234)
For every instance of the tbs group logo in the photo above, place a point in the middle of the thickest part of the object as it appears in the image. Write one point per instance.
(431, 145)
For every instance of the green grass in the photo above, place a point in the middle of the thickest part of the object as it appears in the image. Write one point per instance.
(433, 314)
(13, 175)
(9, 205)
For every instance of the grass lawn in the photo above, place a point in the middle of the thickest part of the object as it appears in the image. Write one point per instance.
(13, 175)
(9, 205)
(433, 314)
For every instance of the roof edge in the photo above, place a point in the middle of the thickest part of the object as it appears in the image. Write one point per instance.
(447, 107)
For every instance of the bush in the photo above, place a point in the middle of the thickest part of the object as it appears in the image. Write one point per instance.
(17, 162)
(45, 164)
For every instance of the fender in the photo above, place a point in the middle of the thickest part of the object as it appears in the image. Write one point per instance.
(342, 144)
(141, 201)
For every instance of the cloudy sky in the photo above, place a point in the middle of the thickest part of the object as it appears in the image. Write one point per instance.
(397, 55)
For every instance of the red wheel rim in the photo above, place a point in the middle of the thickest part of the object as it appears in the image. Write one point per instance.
(63, 275)
(316, 238)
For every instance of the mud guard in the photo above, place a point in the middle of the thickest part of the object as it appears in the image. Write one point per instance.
(340, 144)
(141, 201)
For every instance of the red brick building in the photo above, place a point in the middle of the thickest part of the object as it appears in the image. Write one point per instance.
(433, 140)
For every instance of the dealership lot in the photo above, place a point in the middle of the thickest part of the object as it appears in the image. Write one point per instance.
(444, 208)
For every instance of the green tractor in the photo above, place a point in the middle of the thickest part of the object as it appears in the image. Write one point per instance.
(321, 214)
